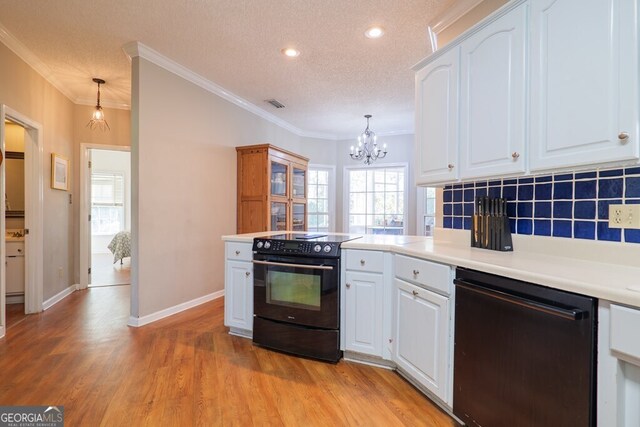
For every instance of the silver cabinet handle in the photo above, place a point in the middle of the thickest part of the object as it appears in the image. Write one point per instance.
(237, 252)
(348, 285)
(415, 293)
(362, 262)
(247, 273)
(515, 155)
(623, 137)
(416, 272)
(450, 166)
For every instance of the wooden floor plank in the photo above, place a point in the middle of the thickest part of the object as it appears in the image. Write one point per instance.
(187, 370)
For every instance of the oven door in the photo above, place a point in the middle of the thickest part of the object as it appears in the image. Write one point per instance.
(297, 290)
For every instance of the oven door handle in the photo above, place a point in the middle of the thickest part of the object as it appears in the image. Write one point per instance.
(284, 264)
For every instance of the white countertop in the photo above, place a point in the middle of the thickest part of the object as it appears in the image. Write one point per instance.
(607, 271)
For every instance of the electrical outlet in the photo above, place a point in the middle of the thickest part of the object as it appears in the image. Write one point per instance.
(624, 216)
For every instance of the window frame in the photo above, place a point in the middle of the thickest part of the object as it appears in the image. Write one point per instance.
(421, 213)
(346, 191)
(331, 197)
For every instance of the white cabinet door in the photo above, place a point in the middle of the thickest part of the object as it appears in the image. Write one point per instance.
(584, 87)
(238, 296)
(437, 120)
(493, 98)
(364, 312)
(422, 336)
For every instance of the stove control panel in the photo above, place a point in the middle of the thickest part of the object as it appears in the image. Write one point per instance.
(295, 247)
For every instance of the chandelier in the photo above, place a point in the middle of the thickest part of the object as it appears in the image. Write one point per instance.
(97, 119)
(367, 148)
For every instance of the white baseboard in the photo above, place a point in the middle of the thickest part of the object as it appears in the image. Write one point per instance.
(59, 297)
(145, 320)
(15, 299)
(1, 331)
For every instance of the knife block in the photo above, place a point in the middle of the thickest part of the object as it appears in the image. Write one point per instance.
(490, 225)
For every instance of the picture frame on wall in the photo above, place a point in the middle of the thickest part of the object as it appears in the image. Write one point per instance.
(59, 172)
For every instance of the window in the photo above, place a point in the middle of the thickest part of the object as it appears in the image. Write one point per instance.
(318, 199)
(429, 212)
(107, 203)
(377, 200)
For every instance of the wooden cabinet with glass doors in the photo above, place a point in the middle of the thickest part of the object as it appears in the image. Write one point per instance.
(272, 189)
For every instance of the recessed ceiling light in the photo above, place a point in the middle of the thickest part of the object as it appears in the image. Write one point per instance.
(374, 32)
(290, 52)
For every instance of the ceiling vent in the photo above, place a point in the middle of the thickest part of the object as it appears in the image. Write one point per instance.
(274, 103)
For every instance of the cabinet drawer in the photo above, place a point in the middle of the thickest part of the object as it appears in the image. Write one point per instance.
(371, 261)
(239, 251)
(625, 323)
(425, 273)
(15, 248)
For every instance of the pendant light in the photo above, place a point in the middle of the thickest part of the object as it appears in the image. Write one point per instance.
(97, 119)
(367, 147)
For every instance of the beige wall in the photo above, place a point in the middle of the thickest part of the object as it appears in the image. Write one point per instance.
(26, 92)
(184, 167)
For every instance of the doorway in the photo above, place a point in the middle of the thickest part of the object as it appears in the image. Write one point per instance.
(106, 203)
(21, 214)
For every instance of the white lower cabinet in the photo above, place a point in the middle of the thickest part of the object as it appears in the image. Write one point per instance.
(238, 288)
(423, 324)
(618, 365)
(366, 305)
(364, 312)
(422, 336)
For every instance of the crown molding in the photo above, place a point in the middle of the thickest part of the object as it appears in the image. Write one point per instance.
(452, 13)
(134, 48)
(32, 60)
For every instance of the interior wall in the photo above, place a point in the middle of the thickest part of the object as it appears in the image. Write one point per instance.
(25, 91)
(400, 151)
(184, 167)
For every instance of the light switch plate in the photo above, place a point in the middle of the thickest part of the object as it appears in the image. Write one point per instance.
(624, 216)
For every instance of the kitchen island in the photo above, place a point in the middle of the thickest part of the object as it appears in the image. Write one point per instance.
(607, 272)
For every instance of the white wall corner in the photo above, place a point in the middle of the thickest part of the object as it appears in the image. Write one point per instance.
(135, 48)
(153, 317)
(59, 297)
(31, 59)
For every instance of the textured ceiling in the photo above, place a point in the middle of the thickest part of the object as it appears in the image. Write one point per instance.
(339, 76)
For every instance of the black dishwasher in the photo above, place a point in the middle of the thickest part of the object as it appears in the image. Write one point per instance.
(525, 355)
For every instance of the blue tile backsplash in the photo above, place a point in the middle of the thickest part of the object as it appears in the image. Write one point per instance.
(574, 205)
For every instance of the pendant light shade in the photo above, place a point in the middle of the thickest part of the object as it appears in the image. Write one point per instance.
(97, 119)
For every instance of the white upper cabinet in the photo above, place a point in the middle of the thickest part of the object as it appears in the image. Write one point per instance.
(493, 98)
(584, 82)
(437, 119)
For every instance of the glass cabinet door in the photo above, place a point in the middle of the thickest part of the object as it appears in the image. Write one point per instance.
(299, 216)
(278, 179)
(299, 184)
(278, 216)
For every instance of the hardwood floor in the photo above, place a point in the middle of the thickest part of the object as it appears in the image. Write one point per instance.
(15, 314)
(105, 272)
(187, 370)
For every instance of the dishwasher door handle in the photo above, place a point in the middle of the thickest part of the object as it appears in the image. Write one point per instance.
(565, 313)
